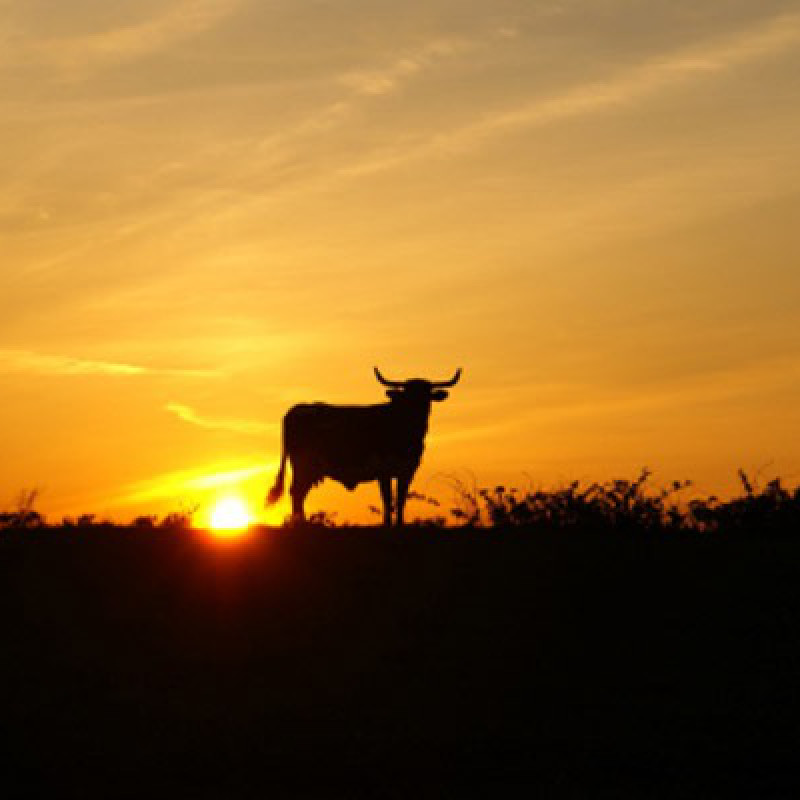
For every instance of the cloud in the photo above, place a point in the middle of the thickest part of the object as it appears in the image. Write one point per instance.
(188, 414)
(775, 36)
(389, 78)
(361, 85)
(178, 21)
(26, 361)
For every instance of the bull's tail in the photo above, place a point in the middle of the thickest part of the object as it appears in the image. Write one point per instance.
(276, 492)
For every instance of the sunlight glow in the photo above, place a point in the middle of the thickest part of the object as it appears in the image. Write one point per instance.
(188, 483)
(230, 515)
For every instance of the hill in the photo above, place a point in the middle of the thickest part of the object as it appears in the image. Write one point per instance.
(397, 664)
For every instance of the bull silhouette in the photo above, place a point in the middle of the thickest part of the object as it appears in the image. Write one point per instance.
(358, 444)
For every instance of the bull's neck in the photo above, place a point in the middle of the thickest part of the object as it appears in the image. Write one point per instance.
(415, 416)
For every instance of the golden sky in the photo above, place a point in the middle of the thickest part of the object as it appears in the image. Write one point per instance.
(213, 209)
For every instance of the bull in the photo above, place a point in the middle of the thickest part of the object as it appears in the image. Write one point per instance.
(359, 444)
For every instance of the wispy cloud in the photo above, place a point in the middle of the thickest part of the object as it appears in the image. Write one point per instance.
(179, 20)
(720, 55)
(388, 78)
(189, 415)
(27, 361)
(362, 84)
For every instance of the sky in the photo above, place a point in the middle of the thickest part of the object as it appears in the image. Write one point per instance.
(214, 209)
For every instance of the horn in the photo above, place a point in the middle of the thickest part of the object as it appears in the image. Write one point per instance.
(392, 384)
(447, 384)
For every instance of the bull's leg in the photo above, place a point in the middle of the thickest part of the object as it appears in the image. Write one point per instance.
(298, 492)
(403, 482)
(386, 496)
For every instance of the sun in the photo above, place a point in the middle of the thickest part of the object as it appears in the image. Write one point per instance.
(230, 515)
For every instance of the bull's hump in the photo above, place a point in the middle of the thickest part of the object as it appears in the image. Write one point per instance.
(307, 409)
(316, 409)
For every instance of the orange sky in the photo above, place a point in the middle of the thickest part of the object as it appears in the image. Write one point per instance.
(213, 209)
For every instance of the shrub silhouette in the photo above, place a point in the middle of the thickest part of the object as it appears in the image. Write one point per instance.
(773, 509)
(176, 520)
(322, 519)
(24, 516)
(627, 505)
(616, 504)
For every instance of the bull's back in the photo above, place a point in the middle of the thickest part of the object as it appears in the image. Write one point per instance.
(349, 443)
(322, 427)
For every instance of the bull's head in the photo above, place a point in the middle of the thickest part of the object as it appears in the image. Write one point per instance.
(417, 390)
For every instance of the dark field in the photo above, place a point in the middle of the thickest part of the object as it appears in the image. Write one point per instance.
(366, 663)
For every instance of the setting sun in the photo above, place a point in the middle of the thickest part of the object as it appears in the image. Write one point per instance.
(230, 514)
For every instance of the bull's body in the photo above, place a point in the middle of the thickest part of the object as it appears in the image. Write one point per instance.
(358, 444)
(352, 444)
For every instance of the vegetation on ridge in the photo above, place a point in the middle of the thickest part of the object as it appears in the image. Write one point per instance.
(617, 505)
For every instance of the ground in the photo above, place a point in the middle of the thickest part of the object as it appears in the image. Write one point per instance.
(406, 664)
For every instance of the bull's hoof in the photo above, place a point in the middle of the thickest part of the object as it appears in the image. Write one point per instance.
(295, 521)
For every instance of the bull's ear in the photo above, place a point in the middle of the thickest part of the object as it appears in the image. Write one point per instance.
(439, 394)
(393, 394)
